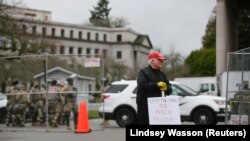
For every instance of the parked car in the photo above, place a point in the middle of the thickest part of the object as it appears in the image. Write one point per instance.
(119, 104)
(3, 102)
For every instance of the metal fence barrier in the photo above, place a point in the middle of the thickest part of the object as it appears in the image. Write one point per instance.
(238, 91)
(44, 92)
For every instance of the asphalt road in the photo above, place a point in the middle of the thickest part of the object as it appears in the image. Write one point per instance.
(110, 132)
(99, 133)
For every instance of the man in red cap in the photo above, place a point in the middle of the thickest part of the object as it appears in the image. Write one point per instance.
(151, 81)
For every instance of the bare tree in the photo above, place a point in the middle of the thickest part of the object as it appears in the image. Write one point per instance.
(175, 64)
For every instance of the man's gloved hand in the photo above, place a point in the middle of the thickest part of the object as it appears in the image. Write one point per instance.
(163, 88)
(162, 85)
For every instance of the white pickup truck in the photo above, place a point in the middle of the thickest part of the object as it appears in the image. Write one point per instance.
(203, 85)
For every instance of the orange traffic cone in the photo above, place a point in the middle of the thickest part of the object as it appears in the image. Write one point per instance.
(83, 121)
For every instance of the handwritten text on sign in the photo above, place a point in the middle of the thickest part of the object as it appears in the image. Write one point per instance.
(91, 62)
(164, 110)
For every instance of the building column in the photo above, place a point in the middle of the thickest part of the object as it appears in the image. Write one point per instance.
(75, 50)
(57, 49)
(66, 50)
(221, 37)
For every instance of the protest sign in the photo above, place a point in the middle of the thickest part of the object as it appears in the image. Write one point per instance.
(164, 110)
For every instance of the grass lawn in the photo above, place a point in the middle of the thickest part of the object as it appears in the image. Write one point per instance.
(93, 114)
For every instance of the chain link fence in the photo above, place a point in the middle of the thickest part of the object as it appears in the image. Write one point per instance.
(237, 87)
(44, 92)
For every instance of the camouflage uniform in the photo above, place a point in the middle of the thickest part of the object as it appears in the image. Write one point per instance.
(61, 91)
(240, 104)
(38, 100)
(70, 103)
(54, 106)
(20, 106)
(10, 117)
(40, 106)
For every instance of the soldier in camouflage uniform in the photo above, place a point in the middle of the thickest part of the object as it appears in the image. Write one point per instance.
(21, 105)
(10, 117)
(54, 107)
(241, 101)
(41, 105)
(61, 90)
(37, 102)
(70, 103)
(32, 101)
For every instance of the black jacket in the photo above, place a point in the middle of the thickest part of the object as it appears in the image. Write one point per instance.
(147, 80)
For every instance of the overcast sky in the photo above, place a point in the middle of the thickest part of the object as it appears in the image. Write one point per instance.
(178, 24)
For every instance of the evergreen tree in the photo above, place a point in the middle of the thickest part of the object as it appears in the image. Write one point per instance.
(100, 14)
(209, 39)
(202, 62)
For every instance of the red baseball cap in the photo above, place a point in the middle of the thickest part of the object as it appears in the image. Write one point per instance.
(156, 54)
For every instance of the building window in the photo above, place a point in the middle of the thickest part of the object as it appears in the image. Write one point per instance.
(2, 43)
(119, 38)
(96, 51)
(53, 32)
(62, 33)
(88, 36)
(34, 30)
(80, 35)
(71, 50)
(96, 36)
(79, 51)
(88, 52)
(90, 87)
(62, 50)
(119, 55)
(44, 31)
(105, 37)
(24, 28)
(71, 34)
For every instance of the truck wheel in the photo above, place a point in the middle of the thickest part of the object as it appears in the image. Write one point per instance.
(204, 116)
(125, 117)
